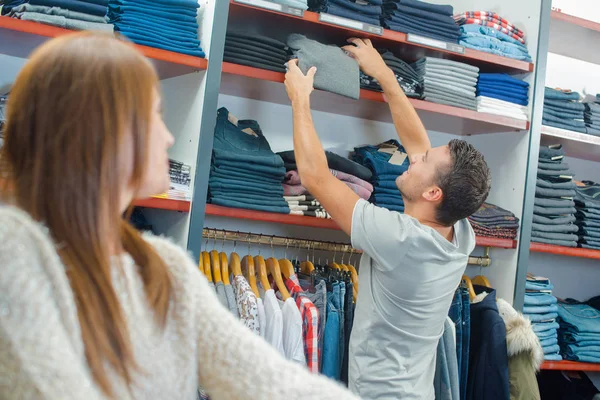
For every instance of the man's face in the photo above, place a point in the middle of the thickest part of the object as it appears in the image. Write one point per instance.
(421, 174)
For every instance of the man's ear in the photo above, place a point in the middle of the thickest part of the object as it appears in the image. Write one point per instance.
(433, 194)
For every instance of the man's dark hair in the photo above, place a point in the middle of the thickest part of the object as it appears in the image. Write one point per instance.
(465, 184)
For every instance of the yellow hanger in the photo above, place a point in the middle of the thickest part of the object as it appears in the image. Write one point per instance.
(481, 281)
(216, 266)
(334, 265)
(306, 267)
(263, 275)
(248, 267)
(470, 288)
(224, 268)
(275, 272)
(206, 264)
(287, 268)
(354, 279)
(234, 263)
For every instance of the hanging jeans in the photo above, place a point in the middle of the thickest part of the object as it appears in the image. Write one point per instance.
(331, 346)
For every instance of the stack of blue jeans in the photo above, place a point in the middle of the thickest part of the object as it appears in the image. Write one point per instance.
(368, 11)
(554, 208)
(563, 110)
(406, 76)
(591, 116)
(448, 82)
(245, 173)
(490, 40)
(385, 191)
(420, 18)
(587, 203)
(493, 221)
(255, 50)
(460, 314)
(541, 309)
(165, 24)
(579, 333)
(503, 87)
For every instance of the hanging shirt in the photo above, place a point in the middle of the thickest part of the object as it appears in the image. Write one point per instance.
(231, 300)
(247, 303)
(273, 331)
(220, 288)
(262, 319)
(408, 276)
(292, 331)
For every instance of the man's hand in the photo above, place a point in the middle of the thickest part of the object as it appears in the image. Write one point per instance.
(299, 86)
(368, 58)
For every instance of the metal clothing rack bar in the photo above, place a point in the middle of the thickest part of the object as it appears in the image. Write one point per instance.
(272, 240)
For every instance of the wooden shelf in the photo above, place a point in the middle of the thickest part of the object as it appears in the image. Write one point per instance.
(20, 38)
(569, 366)
(565, 251)
(164, 204)
(265, 86)
(322, 223)
(396, 41)
(571, 19)
(577, 145)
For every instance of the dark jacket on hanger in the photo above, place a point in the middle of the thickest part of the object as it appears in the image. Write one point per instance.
(488, 360)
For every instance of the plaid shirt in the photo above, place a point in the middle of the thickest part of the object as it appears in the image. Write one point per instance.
(491, 20)
(310, 324)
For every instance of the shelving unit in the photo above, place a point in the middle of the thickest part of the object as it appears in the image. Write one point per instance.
(565, 251)
(573, 20)
(570, 366)
(577, 145)
(164, 204)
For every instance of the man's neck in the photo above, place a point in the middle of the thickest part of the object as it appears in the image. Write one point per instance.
(427, 217)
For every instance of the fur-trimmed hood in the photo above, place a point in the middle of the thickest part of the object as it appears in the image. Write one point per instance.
(520, 337)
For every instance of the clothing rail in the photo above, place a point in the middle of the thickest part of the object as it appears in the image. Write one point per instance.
(272, 240)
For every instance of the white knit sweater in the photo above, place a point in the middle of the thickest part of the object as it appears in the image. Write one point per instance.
(42, 353)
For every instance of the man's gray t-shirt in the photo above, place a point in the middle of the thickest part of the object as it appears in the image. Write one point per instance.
(408, 275)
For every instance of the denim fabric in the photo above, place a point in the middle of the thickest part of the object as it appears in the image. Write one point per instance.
(549, 342)
(414, 28)
(274, 201)
(255, 38)
(547, 152)
(590, 193)
(551, 349)
(119, 6)
(233, 50)
(554, 236)
(342, 309)
(173, 33)
(251, 167)
(331, 348)
(545, 326)
(116, 10)
(231, 184)
(159, 44)
(163, 36)
(540, 309)
(455, 314)
(552, 357)
(569, 105)
(355, 8)
(548, 334)
(73, 5)
(434, 18)
(588, 223)
(348, 322)
(539, 284)
(542, 317)
(248, 206)
(334, 161)
(569, 336)
(141, 19)
(387, 199)
(554, 242)
(553, 210)
(250, 160)
(508, 89)
(547, 192)
(494, 46)
(591, 357)
(466, 340)
(553, 94)
(555, 185)
(446, 29)
(383, 167)
(492, 33)
(571, 123)
(346, 12)
(539, 299)
(565, 114)
(554, 228)
(494, 78)
(546, 202)
(545, 165)
(236, 173)
(588, 215)
(446, 380)
(421, 5)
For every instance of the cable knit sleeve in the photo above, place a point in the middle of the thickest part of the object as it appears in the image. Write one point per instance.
(38, 357)
(234, 363)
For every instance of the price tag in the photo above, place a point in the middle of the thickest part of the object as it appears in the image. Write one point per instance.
(398, 158)
(268, 5)
(453, 47)
(350, 23)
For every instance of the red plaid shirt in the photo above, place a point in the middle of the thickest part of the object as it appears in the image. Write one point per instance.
(310, 324)
(491, 20)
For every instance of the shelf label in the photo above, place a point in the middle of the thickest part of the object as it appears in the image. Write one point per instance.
(268, 5)
(453, 47)
(350, 23)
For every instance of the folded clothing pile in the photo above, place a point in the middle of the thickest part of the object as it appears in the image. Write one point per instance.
(306, 205)
(383, 161)
(406, 76)
(488, 32)
(591, 116)
(421, 18)
(493, 221)
(301, 4)
(501, 94)
(68, 14)
(180, 187)
(245, 173)
(368, 11)
(579, 333)
(165, 24)
(255, 50)
(563, 110)
(336, 71)
(587, 203)
(541, 309)
(554, 208)
(448, 82)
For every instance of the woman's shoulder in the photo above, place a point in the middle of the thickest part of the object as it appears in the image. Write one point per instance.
(179, 261)
(18, 228)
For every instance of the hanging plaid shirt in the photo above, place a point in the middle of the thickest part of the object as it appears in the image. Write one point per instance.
(310, 324)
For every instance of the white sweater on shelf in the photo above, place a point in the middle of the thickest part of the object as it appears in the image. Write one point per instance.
(42, 353)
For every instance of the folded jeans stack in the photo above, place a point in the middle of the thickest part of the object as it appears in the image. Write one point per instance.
(67, 14)
(406, 76)
(541, 309)
(420, 18)
(488, 32)
(377, 159)
(587, 203)
(563, 110)
(579, 333)
(180, 186)
(306, 205)
(245, 173)
(368, 11)
(255, 50)
(493, 221)
(503, 95)
(165, 24)
(554, 209)
(591, 117)
(448, 82)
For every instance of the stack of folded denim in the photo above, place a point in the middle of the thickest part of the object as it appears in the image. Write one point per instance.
(306, 205)
(180, 187)
(563, 110)
(377, 159)
(255, 50)
(587, 203)
(554, 208)
(68, 14)
(493, 221)
(245, 173)
(420, 18)
(292, 185)
(334, 161)
(503, 95)
(541, 309)
(407, 77)
(448, 82)
(488, 32)
(165, 24)
(591, 116)
(368, 11)
(579, 333)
